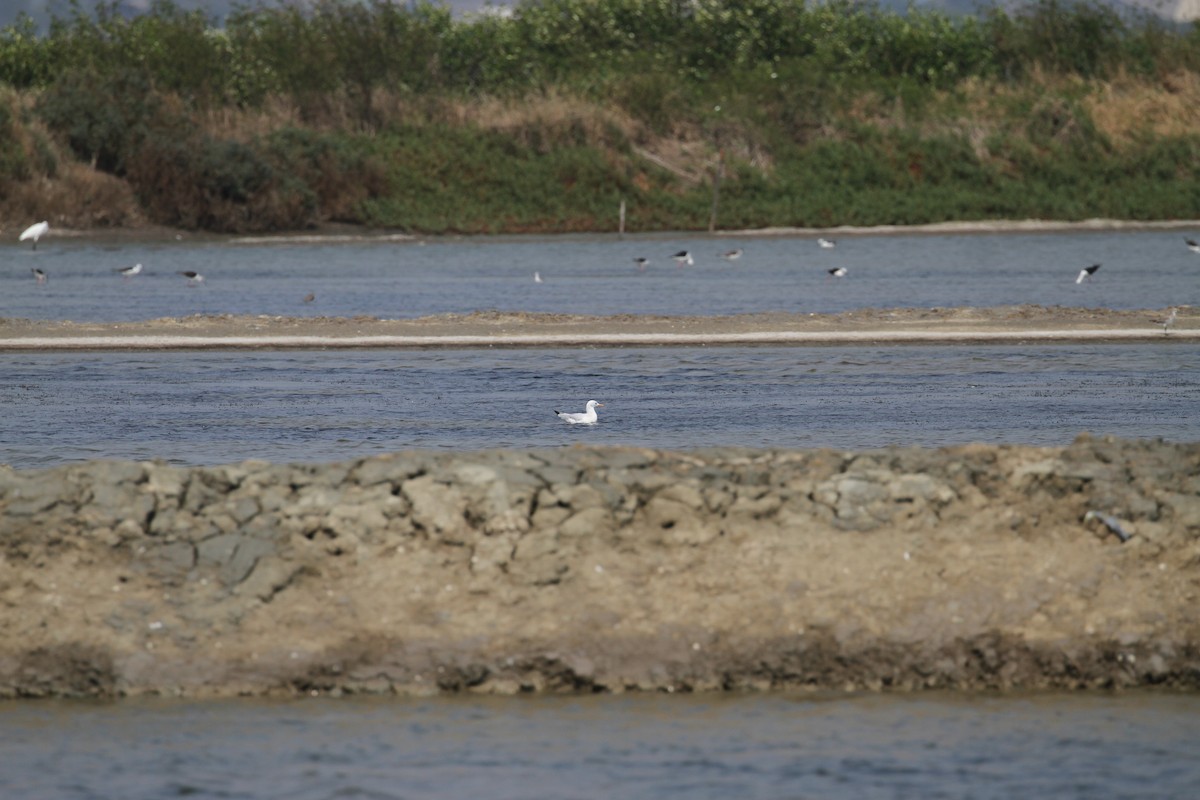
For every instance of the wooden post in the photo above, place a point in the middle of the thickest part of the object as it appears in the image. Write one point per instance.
(621, 228)
(720, 168)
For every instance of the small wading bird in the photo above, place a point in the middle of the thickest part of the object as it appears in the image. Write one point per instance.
(1087, 272)
(1167, 321)
(827, 244)
(641, 263)
(732, 255)
(1192, 245)
(311, 296)
(38, 275)
(683, 257)
(35, 232)
(586, 418)
(193, 278)
(537, 277)
(837, 272)
(129, 272)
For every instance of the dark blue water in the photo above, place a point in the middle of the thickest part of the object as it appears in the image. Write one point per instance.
(217, 407)
(596, 275)
(686, 747)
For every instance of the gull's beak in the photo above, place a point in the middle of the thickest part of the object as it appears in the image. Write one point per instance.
(599, 405)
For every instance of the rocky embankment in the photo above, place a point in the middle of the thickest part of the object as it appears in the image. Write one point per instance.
(606, 570)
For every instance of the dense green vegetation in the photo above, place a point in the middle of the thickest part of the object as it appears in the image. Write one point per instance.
(400, 115)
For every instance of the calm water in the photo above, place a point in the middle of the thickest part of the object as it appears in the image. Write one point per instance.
(216, 407)
(596, 275)
(691, 748)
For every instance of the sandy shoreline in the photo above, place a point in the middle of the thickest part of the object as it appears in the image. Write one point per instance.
(520, 329)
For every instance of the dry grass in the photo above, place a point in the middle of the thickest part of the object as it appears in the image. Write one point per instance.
(78, 197)
(1127, 107)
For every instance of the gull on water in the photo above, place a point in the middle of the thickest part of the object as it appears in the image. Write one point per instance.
(827, 244)
(1087, 272)
(128, 272)
(35, 232)
(585, 418)
(683, 257)
(193, 278)
(732, 255)
(39, 275)
(1192, 245)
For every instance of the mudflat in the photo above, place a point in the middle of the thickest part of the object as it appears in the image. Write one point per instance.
(541, 329)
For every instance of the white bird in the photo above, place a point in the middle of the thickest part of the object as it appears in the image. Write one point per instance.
(586, 418)
(1087, 272)
(827, 244)
(1167, 321)
(537, 277)
(732, 255)
(39, 275)
(837, 272)
(35, 232)
(683, 257)
(1192, 245)
(641, 262)
(193, 278)
(128, 272)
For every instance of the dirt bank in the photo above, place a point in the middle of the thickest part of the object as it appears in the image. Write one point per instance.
(581, 569)
(526, 329)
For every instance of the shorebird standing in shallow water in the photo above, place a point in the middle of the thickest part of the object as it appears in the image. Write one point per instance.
(641, 262)
(311, 296)
(129, 272)
(1192, 245)
(38, 275)
(683, 257)
(827, 244)
(837, 272)
(1087, 272)
(193, 278)
(732, 255)
(585, 418)
(537, 277)
(34, 232)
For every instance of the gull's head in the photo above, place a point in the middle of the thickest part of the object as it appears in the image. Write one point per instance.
(594, 404)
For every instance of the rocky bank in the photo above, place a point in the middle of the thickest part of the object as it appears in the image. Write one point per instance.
(582, 569)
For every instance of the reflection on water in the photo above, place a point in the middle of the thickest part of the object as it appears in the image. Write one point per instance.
(597, 275)
(217, 407)
(662, 747)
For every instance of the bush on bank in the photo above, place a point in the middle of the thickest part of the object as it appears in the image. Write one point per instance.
(403, 116)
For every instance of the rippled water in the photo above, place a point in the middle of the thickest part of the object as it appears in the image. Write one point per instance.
(596, 275)
(216, 407)
(1059, 746)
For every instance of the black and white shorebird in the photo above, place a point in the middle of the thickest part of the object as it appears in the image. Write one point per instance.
(1087, 272)
(193, 278)
(38, 275)
(35, 232)
(683, 257)
(581, 418)
(1168, 320)
(732, 255)
(641, 262)
(128, 272)
(827, 244)
(1192, 245)
(837, 272)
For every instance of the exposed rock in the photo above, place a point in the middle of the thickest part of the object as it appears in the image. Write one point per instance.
(606, 570)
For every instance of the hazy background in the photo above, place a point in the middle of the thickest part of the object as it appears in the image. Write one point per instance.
(41, 10)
